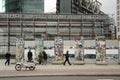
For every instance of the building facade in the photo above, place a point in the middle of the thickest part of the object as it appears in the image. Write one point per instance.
(30, 27)
(118, 18)
(78, 7)
(24, 6)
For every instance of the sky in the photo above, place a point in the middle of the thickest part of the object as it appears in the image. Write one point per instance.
(108, 6)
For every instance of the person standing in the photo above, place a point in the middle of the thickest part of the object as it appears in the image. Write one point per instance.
(44, 57)
(29, 55)
(40, 56)
(67, 58)
(7, 56)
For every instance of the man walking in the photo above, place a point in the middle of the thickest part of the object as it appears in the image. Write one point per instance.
(7, 56)
(67, 58)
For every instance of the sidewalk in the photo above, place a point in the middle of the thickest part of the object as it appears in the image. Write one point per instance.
(53, 70)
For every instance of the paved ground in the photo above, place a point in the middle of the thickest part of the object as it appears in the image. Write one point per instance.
(52, 70)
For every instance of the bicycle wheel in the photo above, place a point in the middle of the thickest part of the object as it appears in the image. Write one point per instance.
(18, 67)
(31, 68)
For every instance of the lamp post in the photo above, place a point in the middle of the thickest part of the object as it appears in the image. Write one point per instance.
(8, 27)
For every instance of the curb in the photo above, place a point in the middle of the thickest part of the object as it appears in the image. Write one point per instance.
(117, 75)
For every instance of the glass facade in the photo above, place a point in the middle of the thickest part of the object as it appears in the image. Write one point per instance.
(24, 6)
(33, 6)
(65, 6)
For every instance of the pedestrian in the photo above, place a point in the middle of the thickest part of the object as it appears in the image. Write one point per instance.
(7, 56)
(67, 58)
(29, 55)
(40, 58)
(44, 57)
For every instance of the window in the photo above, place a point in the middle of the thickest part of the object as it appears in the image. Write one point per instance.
(117, 12)
(118, 30)
(118, 7)
(118, 18)
(117, 1)
(118, 24)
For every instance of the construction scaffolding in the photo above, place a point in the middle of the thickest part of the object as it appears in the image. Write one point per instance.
(29, 27)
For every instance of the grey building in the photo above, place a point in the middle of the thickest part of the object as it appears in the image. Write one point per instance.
(118, 18)
(24, 6)
(32, 26)
(78, 7)
(63, 6)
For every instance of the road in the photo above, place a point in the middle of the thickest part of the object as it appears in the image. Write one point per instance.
(64, 78)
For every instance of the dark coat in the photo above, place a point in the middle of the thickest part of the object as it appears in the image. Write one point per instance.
(44, 55)
(7, 56)
(66, 56)
(29, 55)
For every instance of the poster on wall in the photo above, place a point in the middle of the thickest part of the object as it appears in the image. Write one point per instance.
(39, 43)
(19, 49)
(100, 48)
(58, 52)
(90, 50)
(112, 54)
(112, 48)
(79, 49)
